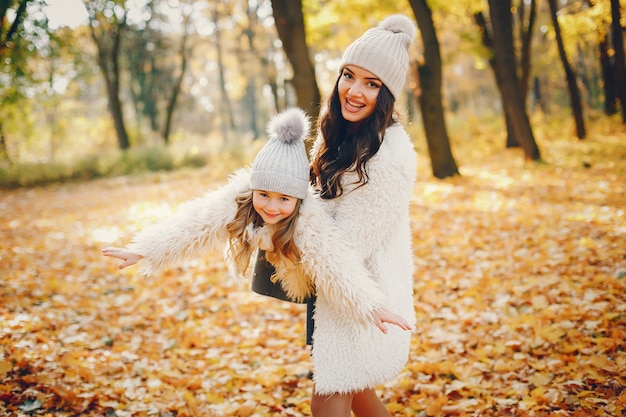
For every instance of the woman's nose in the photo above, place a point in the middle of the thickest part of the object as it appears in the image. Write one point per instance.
(356, 88)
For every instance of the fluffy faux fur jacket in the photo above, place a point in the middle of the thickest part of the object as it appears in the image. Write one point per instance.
(374, 218)
(329, 265)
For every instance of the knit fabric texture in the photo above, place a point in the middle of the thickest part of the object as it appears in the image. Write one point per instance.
(384, 51)
(282, 165)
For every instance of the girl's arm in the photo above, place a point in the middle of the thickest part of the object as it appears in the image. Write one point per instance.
(198, 224)
(129, 258)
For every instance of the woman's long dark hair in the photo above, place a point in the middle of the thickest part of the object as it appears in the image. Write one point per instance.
(346, 149)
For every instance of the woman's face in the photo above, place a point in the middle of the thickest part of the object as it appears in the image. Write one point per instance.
(273, 207)
(358, 91)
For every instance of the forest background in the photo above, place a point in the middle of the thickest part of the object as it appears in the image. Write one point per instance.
(135, 85)
(518, 216)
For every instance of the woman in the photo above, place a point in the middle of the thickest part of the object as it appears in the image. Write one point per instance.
(363, 168)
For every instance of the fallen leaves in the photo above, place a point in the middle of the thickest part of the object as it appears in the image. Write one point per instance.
(520, 279)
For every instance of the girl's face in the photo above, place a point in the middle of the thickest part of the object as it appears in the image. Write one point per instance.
(358, 93)
(273, 207)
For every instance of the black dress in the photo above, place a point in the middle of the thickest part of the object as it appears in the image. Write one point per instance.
(262, 284)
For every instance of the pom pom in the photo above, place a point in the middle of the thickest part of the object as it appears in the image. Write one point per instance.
(398, 23)
(289, 126)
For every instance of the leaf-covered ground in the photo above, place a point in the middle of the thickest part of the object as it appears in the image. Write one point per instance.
(520, 294)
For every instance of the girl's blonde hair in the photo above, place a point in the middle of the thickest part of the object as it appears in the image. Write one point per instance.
(283, 254)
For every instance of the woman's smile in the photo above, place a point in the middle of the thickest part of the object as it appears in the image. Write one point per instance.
(358, 93)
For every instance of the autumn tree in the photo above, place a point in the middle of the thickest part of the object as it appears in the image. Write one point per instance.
(526, 18)
(250, 32)
(9, 29)
(289, 22)
(610, 99)
(158, 57)
(431, 101)
(505, 63)
(107, 24)
(619, 67)
(184, 52)
(525, 29)
(19, 36)
(228, 122)
(148, 52)
(256, 52)
(9, 64)
(570, 76)
(487, 41)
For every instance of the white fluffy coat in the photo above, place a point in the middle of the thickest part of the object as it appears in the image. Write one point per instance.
(375, 219)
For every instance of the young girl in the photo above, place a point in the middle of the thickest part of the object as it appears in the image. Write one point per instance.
(364, 169)
(269, 208)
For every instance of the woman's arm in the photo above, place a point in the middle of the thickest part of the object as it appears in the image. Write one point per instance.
(197, 224)
(336, 270)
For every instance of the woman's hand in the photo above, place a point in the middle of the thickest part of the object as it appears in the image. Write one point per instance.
(129, 258)
(382, 315)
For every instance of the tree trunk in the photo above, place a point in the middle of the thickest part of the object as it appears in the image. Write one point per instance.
(290, 27)
(479, 18)
(114, 97)
(513, 103)
(526, 36)
(184, 51)
(20, 13)
(619, 70)
(269, 69)
(228, 123)
(610, 100)
(4, 149)
(587, 78)
(431, 103)
(108, 44)
(538, 95)
(572, 86)
(171, 103)
(251, 88)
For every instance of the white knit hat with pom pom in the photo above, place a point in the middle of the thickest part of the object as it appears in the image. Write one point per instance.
(384, 51)
(282, 165)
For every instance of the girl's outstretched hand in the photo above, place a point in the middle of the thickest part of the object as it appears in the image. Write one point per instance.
(382, 315)
(129, 258)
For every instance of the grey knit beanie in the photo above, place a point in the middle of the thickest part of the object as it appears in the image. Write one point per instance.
(384, 51)
(282, 165)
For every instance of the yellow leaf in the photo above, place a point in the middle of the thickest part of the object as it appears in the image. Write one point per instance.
(602, 362)
(5, 368)
(246, 409)
(539, 379)
(434, 409)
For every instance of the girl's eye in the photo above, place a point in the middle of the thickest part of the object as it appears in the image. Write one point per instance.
(374, 85)
(347, 75)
